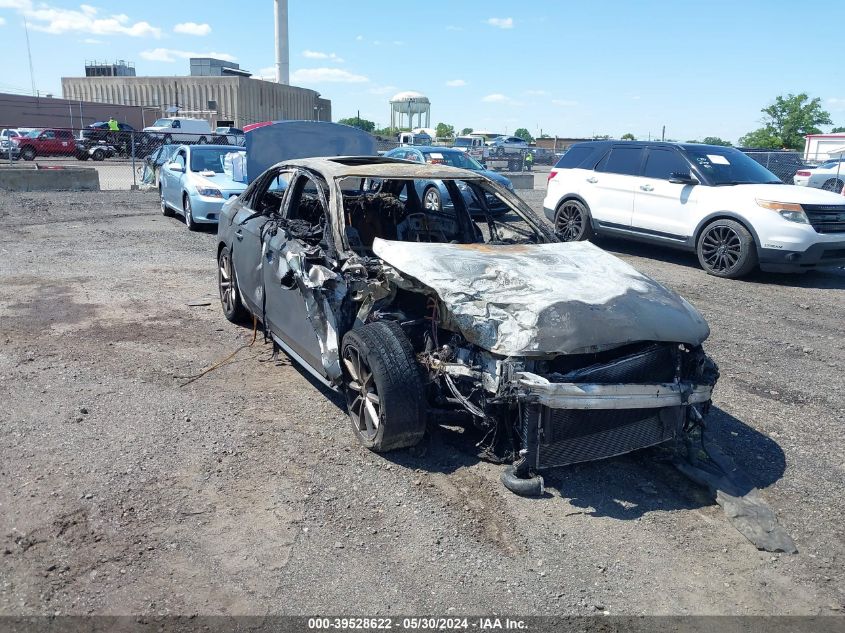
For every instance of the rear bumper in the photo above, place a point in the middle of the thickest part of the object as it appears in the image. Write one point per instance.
(568, 423)
(820, 254)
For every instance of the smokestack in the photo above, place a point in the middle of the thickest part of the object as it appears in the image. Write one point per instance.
(282, 52)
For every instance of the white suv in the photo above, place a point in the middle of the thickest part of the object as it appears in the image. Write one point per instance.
(716, 201)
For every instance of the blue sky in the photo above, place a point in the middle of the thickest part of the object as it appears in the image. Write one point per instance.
(568, 68)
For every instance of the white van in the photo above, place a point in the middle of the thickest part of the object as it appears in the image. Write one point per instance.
(181, 130)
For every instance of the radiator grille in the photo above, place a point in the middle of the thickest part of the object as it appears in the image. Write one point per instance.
(826, 218)
(570, 436)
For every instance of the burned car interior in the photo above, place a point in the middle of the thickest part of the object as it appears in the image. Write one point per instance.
(557, 353)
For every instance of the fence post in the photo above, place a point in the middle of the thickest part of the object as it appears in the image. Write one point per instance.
(134, 175)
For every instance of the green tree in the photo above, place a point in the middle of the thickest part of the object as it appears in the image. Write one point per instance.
(363, 124)
(444, 130)
(601, 137)
(789, 119)
(713, 140)
(524, 134)
(763, 138)
(387, 132)
(466, 130)
(837, 130)
(628, 137)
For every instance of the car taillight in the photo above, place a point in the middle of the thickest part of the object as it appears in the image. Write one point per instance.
(552, 174)
(802, 173)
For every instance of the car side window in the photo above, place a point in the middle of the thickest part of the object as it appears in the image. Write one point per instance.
(48, 134)
(268, 194)
(662, 163)
(180, 159)
(622, 160)
(177, 124)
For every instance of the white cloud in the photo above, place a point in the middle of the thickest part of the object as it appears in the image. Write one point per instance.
(496, 97)
(456, 83)
(2, 21)
(171, 55)
(452, 27)
(359, 38)
(835, 103)
(501, 23)
(91, 40)
(567, 103)
(325, 75)
(382, 90)
(267, 73)
(318, 55)
(85, 19)
(192, 28)
(536, 93)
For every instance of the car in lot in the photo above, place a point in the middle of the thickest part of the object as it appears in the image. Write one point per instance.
(782, 163)
(197, 181)
(502, 145)
(180, 130)
(154, 161)
(225, 135)
(121, 139)
(45, 142)
(8, 149)
(543, 155)
(829, 175)
(715, 201)
(557, 352)
(434, 193)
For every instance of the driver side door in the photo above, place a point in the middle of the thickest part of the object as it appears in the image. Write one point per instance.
(296, 310)
(171, 180)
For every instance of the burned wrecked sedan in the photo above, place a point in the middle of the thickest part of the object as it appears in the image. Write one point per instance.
(558, 352)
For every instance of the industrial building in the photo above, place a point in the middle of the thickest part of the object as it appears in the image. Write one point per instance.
(217, 90)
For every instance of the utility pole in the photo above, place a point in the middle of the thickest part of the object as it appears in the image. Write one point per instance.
(29, 54)
(663, 135)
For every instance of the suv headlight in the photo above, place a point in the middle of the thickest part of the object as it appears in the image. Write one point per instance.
(209, 192)
(788, 210)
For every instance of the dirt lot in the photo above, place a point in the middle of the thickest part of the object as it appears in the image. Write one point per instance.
(245, 492)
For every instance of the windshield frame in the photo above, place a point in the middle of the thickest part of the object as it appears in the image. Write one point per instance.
(221, 152)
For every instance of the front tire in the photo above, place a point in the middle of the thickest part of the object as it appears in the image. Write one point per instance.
(189, 216)
(833, 184)
(432, 200)
(572, 222)
(726, 249)
(230, 297)
(383, 385)
(98, 155)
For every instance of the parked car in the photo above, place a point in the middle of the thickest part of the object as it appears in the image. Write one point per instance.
(544, 156)
(180, 130)
(716, 201)
(830, 176)
(412, 313)
(229, 136)
(502, 145)
(7, 147)
(121, 140)
(195, 183)
(49, 142)
(95, 150)
(434, 193)
(782, 163)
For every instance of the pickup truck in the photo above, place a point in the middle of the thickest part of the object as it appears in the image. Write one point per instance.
(50, 142)
(473, 145)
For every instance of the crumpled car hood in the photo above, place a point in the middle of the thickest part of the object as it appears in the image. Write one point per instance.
(538, 299)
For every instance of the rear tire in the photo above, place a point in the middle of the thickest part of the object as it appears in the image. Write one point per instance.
(227, 284)
(166, 211)
(726, 249)
(28, 153)
(572, 222)
(383, 385)
(432, 200)
(833, 184)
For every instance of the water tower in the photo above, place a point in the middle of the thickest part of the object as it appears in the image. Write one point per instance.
(405, 105)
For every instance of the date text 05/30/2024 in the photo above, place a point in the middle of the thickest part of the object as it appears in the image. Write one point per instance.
(421, 624)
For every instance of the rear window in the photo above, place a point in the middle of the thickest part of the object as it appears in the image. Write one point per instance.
(574, 157)
(622, 160)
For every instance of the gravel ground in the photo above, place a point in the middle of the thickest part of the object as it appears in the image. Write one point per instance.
(244, 492)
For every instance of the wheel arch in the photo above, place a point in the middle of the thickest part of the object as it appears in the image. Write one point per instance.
(574, 196)
(724, 215)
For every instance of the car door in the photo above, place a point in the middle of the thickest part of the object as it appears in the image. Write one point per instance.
(47, 143)
(662, 207)
(171, 179)
(253, 210)
(294, 309)
(609, 189)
